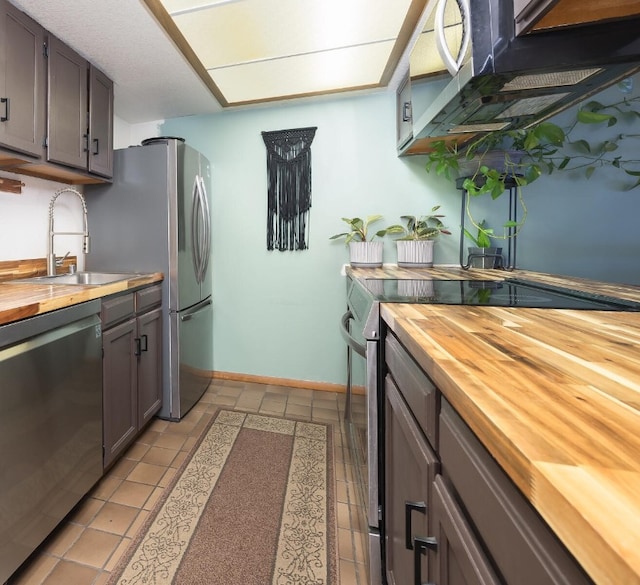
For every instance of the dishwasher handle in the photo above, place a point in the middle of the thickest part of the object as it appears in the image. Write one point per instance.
(351, 342)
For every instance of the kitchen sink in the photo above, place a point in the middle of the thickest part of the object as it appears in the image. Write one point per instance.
(80, 278)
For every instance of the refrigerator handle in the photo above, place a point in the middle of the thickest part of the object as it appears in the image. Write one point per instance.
(195, 310)
(206, 217)
(196, 246)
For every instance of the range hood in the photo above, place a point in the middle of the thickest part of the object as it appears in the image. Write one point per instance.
(504, 81)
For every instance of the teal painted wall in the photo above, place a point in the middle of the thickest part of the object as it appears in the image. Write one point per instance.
(588, 227)
(277, 313)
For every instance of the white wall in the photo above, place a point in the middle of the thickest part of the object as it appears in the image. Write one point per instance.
(24, 220)
(125, 134)
(588, 227)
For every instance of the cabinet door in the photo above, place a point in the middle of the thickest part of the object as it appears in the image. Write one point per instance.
(100, 123)
(459, 559)
(119, 388)
(67, 100)
(404, 116)
(410, 469)
(22, 81)
(521, 545)
(527, 12)
(149, 365)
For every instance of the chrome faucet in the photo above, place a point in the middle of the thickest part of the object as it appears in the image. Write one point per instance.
(52, 262)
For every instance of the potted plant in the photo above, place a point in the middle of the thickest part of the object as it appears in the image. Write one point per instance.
(483, 254)
(363, 251)
(415, 247)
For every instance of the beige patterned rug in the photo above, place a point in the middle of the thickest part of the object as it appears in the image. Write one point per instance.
(253, 505)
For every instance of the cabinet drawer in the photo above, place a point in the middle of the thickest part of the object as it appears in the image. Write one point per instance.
(148, 298)
(522, 545)
(416, 387)
(116, 309)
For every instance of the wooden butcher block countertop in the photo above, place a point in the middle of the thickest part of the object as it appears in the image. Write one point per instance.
(554, 395)
(20, 300)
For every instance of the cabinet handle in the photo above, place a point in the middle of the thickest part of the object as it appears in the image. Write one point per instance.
(408, 508)
(96, 149)
(406, 112)
(142, 344)
(421, 544)
(5, 101)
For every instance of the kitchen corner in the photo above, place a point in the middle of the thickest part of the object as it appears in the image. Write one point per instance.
(551, 394)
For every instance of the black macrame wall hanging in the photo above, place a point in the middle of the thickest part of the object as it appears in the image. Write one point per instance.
(289, 188)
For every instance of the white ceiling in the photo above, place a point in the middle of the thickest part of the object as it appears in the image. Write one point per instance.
(248, 51)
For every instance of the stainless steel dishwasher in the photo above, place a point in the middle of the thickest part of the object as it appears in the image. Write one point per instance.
(50, 424)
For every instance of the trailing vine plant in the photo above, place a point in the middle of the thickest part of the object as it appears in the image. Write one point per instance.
(543, 149)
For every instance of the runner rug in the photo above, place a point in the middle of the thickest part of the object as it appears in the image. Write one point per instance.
(253, 505)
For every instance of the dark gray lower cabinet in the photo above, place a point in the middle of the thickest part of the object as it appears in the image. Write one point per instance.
(452, 515)
(460, 559)
(119, 375)
(521, 545)
(149, 365)
(411, 467)
(132, 366)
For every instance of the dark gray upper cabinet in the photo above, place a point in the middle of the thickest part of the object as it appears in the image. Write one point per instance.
(100, 123)
(22, 82)
(80, 112)
(534, 16)
(404, 116)
(528, 12)
(67, 125)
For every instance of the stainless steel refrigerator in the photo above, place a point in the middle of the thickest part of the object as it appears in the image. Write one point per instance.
(155, 216)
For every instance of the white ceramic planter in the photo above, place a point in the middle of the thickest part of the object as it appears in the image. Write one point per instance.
(415, 253)
(366, 254)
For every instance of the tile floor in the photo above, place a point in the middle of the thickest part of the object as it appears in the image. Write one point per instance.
(90, 541)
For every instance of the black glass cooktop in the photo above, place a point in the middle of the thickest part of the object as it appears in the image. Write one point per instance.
(491, 294)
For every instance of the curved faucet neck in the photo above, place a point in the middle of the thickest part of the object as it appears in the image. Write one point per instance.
(51, 257)
(57, 194)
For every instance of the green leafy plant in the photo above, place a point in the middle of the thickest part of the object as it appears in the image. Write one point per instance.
(359, 231)
(426, 227)
(525, 155)
(483, 237)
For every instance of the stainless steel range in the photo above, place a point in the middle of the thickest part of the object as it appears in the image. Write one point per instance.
(360, 327)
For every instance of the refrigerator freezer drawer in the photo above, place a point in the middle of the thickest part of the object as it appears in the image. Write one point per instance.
(192, 356)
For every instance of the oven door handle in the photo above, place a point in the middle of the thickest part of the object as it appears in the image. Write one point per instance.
(351, 342)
